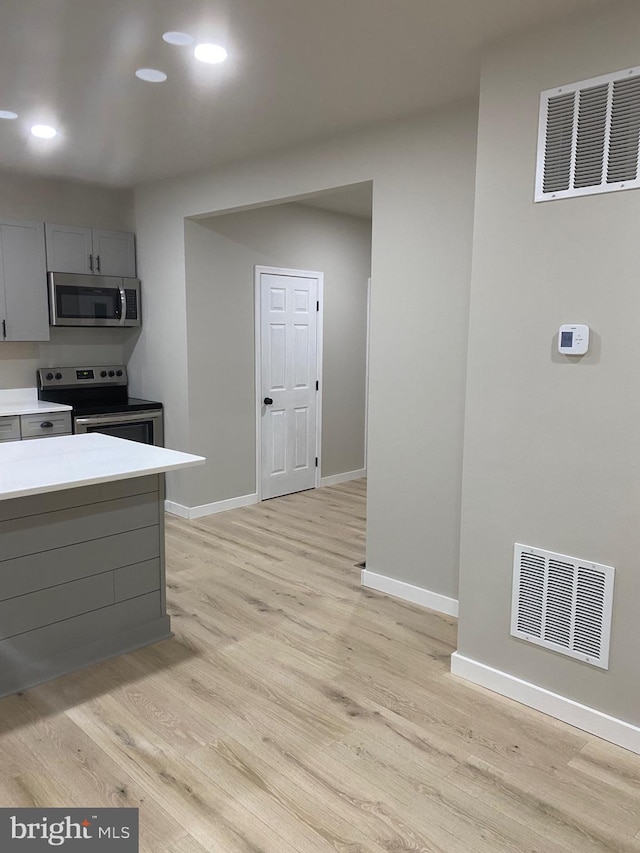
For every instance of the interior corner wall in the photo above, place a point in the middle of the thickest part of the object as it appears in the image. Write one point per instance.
(67, 203)
(423, 183)
(552, 457)
(221, 253)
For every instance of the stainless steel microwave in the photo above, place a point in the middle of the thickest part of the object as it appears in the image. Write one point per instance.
(93, 300)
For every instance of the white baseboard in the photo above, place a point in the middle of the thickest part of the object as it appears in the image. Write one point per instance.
(409, 592)
(176, 509)
(343, 478)
(246, 500)
(191, 512)
(581, 716)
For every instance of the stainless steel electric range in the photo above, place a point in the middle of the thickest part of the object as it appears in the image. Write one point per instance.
(100, 400)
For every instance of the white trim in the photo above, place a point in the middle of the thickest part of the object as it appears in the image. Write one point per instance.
(581, 716)
(334, 479)
(319, 355)
(409, 592)
(191, 512)
(366, 376)
(257, 375)
(176, 509)
(258, 270)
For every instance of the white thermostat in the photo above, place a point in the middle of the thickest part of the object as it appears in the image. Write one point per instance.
(573, 339)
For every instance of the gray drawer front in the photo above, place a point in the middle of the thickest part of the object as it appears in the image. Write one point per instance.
(22, 536)
(44, 642)
(49, 568)
(31, 426)
(16, 675)
(10, 428)
(139, 579)
(67, 498)
(32, 534)
(57, 603)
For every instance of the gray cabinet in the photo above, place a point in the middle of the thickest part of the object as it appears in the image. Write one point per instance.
(81, 578)
(44, 425)
(69, 249)
(114, 253)
(24, 312)
(77, 249)
(15, 427)
(10, 428)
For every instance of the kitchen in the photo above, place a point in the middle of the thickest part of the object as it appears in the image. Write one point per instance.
(292, 699)
(92, 455)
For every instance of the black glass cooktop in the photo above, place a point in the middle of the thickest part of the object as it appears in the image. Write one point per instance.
(131, 404)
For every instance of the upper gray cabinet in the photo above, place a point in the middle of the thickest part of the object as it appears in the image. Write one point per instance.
(114, 253)
(69, 249)
(24, 313)
(90, 250)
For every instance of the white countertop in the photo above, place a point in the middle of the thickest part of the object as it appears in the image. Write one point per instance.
(32, 407)
(69, 461)
(24, 401)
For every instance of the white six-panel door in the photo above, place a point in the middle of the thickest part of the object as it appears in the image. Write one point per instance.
(288, 370)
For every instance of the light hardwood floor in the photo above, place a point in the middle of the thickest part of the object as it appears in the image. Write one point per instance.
(295, 712)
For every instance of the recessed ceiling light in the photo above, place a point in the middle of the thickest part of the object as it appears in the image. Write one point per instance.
(151, 75)
(8, 114)
(44, 131)
(211, 53)
(180, 39)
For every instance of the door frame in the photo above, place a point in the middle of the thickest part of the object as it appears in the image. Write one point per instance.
(258, 270)
(366, 379)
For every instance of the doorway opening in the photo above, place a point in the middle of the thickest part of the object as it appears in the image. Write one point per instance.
(328, 231)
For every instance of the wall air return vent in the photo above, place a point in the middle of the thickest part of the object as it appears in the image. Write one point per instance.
(589, 137)
(562, 603)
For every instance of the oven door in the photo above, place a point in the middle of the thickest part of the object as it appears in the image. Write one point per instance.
(145, 427)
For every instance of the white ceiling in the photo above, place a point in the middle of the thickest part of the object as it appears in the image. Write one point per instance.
(297, 70)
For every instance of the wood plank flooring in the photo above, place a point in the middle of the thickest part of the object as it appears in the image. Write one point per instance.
(295, 712)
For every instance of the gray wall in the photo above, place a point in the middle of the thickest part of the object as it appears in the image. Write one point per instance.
(423, 183)
(221, 253)
(552, 456)
(67, 203)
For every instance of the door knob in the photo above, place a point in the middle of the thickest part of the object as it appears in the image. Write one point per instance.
(267, 401)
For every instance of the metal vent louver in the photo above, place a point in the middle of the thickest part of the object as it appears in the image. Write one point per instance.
(562, 603)
(589, 137)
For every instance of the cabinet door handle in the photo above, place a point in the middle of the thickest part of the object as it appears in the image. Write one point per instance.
(4, 328)
(91, 262)
(98, 262)
(46, 425)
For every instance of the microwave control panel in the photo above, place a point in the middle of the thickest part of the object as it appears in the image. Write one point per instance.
(132, 304)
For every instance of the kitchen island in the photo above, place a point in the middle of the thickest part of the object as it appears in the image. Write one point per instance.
(81, 552)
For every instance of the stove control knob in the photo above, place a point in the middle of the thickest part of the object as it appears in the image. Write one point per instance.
(103, 373)
(111, 373)
(118, 373)
(58, 376)
(49, 376)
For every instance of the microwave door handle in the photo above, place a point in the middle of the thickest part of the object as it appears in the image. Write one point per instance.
(53, 312)
(123, 305)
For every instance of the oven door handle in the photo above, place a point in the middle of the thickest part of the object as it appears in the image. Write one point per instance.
(123, 305)
(83, 424)
(114, 419)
